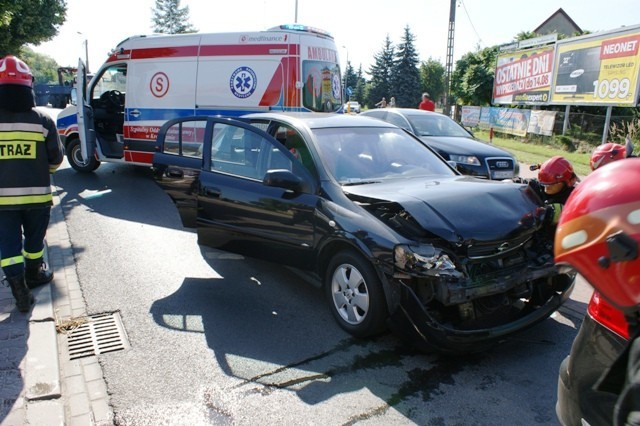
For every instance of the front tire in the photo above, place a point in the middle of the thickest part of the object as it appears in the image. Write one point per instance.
(355, 294)
(74, 155)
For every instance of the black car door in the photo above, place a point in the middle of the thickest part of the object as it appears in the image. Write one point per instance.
(244, 208)
(178, 161)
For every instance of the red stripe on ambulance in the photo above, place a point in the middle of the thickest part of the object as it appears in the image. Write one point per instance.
(218, 50)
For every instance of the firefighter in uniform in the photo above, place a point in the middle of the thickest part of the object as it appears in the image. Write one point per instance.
(599, 236)
(608, 152)
(29, 151)
(556, 180)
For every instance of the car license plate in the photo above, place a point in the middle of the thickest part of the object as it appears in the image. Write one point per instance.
(508, 174)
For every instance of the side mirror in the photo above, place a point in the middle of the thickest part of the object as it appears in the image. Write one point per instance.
(282, 178)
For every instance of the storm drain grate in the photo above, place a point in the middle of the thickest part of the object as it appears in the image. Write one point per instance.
(101, 333)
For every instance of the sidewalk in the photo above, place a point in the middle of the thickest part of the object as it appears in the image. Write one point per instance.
(39, 384)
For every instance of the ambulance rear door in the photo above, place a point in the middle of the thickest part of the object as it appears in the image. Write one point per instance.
(322, 91)
(84, 112)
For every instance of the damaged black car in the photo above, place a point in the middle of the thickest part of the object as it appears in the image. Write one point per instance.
(397, 237)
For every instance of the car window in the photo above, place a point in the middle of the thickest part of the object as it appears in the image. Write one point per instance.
(185, 139)
(437, 125)
(294, 142)
(362, 154)
(236, 150)
(399, 121)
(377, 114)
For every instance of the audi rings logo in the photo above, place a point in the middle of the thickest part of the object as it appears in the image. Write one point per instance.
(243, 82)
(502, 164)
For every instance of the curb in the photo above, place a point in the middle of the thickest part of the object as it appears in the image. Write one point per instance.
(42, 373)
(85, 396)
(55, 390)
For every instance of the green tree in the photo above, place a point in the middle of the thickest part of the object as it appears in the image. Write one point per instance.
(405, 79)
(432, 74)
(29, 22)
(350, 80)
(170, 18)
(359, 93)
(525, 35)
(472, 80)
(380, 83)
(43, 67)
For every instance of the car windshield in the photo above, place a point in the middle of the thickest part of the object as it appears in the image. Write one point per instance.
(436, 125)
(371, 154)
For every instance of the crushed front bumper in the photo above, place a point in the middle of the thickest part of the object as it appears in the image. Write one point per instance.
(413, 321)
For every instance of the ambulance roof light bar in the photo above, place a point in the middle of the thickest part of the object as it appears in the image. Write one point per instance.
(302, 28)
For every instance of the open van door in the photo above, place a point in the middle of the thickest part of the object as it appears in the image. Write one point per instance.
(86, 128)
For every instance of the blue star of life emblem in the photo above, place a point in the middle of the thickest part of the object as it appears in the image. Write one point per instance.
(243, 82)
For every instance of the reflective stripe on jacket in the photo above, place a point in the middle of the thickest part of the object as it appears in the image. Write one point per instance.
(29, 149)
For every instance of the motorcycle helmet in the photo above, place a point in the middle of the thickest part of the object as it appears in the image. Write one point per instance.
(599, 233)
(555, 170)
(607, 153)
(15, 71)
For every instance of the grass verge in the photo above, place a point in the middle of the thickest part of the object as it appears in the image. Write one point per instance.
(531, 153)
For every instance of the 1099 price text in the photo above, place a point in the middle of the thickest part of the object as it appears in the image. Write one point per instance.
(611, 89)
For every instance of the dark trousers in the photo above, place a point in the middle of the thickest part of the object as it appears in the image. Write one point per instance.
(32, 223)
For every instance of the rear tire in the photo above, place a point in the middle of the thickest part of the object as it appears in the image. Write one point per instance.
(74, 156)
(355, 294)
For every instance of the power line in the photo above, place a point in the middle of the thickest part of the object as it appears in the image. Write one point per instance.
(469, 18)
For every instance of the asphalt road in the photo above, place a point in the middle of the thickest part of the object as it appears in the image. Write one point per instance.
(220, 339)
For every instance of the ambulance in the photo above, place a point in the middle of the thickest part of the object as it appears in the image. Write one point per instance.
(148, 80)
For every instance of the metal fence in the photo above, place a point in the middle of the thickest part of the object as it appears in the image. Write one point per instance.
(588, 127)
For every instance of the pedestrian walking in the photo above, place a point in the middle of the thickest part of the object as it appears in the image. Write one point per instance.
(427, 104)
(382, 103)
(30, 150)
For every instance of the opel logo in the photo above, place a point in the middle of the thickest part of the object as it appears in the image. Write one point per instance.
(502, 164)
(504, 247)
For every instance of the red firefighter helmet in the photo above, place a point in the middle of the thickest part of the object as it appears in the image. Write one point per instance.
(15, 71)
(555, 170)
(599, 233)
(607, 153)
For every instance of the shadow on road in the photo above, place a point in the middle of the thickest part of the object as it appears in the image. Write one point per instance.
(104, 190)
(278, 334)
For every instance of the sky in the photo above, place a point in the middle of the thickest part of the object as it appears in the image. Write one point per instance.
(359, 27)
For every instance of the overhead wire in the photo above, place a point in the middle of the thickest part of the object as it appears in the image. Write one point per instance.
(471, 22)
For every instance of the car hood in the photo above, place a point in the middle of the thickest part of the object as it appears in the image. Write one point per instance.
(463, 146)
(456, 208)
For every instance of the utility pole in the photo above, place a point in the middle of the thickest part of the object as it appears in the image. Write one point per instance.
(449, 68)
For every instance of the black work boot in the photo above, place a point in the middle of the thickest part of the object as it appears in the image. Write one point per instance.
(22, 294)
(36, 274)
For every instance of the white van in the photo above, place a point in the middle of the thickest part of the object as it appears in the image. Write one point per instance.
(148, 80)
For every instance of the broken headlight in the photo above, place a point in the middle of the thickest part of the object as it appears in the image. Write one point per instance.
(423, 258)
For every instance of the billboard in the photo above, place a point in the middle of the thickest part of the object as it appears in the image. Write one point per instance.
(541, 122)
(523, 77)
(470, 116)
(513, 121)
(597, 69)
